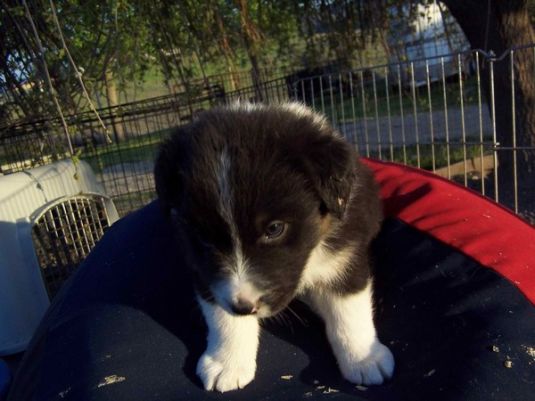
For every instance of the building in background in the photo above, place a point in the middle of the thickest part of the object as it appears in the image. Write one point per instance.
(425, 31)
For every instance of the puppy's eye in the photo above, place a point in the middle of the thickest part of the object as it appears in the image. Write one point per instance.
(274, 230)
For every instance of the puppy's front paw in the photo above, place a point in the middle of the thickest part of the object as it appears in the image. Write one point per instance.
(375, 368)
(225, 374)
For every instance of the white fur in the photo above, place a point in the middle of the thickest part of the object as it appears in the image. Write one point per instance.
(224, 188)
(325, 267)
(298, 109)
(349, 323)
(301, 110)
(245, 105)
(237, 284)
(229, 361)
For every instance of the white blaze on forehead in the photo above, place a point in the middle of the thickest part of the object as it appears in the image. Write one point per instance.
(224, 188)
(238, 283)
(324, 266)
(226, 202)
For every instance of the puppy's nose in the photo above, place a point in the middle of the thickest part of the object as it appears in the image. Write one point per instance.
(243, 307)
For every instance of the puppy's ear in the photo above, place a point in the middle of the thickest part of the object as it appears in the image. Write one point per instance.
(168, 168)
(329, 161)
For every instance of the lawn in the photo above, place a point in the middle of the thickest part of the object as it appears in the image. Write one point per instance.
(137, 149)
(444, 155)
(380, 100)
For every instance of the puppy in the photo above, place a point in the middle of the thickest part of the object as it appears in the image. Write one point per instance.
(274, 205)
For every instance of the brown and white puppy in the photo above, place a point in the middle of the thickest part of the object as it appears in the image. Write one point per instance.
(274, 205)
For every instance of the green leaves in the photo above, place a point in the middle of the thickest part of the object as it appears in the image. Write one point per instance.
(178, 41)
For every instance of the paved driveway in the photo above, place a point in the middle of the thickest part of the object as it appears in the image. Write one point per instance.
(419, 129)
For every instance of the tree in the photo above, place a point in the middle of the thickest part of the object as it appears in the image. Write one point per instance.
(101, 37)
(498, 26)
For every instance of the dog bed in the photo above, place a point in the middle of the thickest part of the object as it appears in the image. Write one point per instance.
(5, 378)
(455, 293)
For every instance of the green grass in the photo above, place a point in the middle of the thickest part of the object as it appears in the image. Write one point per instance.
(137, 149)
(377, 103)
(457, 153)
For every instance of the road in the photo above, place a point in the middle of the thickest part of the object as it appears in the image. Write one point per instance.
(419, 129)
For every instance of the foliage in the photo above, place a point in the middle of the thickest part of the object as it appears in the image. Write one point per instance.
(119, 42)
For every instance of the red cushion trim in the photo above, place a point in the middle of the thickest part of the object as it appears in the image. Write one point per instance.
(477, 226)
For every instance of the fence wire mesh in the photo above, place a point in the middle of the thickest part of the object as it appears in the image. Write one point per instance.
(463, 116)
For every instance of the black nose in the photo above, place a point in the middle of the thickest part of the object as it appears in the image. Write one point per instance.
(243, 307)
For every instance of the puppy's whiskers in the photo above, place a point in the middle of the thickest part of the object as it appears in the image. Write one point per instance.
(287, 321)
(299, 318)
(278, 319)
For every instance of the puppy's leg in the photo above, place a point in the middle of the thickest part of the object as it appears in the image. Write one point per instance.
(351, 332)
(229, 361)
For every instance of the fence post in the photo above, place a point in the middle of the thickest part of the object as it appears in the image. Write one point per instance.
(492, 60)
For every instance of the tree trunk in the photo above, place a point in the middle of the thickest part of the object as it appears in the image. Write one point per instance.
(498, 27)
(111, 94)
(226, 49)
(251, 38)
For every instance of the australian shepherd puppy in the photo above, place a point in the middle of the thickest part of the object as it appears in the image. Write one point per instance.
(273, 204)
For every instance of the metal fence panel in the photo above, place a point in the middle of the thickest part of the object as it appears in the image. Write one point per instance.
(435, 113)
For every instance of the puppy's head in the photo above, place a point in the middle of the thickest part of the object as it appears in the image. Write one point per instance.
(254, 189)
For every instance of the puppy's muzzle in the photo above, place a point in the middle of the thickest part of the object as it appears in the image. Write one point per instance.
(242, 306)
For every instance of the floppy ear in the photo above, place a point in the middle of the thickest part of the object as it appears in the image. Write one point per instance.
(329, 162)
(169, 165)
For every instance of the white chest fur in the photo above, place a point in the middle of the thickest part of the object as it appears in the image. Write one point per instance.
(324, 266)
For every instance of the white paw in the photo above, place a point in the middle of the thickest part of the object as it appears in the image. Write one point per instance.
(377, 367)
(225, 374)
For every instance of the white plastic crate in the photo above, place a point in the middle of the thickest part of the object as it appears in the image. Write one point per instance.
(50, 218)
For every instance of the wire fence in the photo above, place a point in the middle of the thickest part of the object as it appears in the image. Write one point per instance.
(463, 116)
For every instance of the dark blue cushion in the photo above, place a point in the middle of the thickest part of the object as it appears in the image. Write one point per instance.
(126, 327)
(5, 379)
